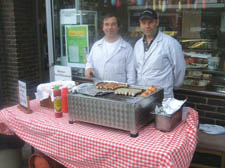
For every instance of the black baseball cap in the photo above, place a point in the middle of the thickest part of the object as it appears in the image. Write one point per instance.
(148, 13)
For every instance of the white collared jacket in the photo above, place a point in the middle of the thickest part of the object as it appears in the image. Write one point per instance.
(163, 65)
(117, 67)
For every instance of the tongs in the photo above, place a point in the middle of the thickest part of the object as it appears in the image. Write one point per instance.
(95, 79)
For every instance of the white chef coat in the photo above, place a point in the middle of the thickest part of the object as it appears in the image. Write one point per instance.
(118, 66)
(163, 65)
(110, 47)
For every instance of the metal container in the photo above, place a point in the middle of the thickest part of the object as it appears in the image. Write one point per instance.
(116, 111)
(166, 123)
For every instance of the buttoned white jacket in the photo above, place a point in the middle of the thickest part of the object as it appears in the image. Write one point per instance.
(117, 67)
(163, 65)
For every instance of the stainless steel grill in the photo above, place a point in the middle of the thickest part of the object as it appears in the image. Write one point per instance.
(116, 111)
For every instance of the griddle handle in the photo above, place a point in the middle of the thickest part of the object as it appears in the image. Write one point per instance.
(71, 122)
(134, 135)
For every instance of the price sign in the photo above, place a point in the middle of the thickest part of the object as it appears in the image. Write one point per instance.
(23, 93)
(62, 73)
(23, 99)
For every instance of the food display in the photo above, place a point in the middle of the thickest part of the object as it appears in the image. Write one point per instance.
(128, 91)
(196, 59)
(149, 91)
(197, 63)
(192, 82)
(194, 74)
(110, 85)
(197, 79)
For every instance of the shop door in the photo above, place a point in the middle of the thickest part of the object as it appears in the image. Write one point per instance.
(42, 40)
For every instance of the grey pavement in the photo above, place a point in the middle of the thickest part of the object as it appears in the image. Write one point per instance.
(26, 152)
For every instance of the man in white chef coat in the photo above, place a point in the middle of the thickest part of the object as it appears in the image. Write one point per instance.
(159, 59)
(111, 58)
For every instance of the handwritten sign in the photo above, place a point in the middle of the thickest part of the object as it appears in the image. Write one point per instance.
(23, 93)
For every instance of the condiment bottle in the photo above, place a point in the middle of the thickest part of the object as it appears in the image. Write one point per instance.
(57, 102)
(132, 2)
(118, 3)
(64, 100)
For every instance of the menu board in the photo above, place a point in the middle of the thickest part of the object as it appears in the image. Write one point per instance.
(76, 44)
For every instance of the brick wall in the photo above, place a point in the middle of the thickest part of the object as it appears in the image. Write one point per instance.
(19, 47)
(211, 108)
(7, 32)
(1, 56)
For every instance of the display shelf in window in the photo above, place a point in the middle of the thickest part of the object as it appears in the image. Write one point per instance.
(217, 81)
(197, 79)
(203, 45)
(196, 84)
(195, 62)
(197, 74)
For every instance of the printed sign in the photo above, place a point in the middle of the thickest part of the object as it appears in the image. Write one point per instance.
(76, 45)
(68, 16)
(23, 93)
(62, 73)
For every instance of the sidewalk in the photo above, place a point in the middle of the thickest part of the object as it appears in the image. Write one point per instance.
(26, 152)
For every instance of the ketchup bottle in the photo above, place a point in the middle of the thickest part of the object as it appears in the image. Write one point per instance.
(118, 3)
(64, 100)
(57, 102)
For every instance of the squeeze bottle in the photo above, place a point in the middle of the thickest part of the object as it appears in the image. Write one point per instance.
(57, 102)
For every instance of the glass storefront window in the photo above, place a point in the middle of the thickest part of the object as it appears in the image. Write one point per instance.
(198, 25)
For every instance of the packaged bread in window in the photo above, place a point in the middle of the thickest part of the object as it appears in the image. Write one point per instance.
(149, 91)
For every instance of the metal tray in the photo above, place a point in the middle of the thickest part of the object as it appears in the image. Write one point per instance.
(167, 123)
(116, 111)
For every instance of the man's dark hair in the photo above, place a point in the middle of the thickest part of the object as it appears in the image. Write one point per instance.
(109, 15)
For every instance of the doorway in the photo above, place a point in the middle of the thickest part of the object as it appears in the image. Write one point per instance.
(42, 40)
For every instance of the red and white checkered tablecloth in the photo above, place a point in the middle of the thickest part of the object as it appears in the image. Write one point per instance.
(86, 145)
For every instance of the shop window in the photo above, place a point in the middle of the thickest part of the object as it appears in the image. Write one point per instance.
(199, 26)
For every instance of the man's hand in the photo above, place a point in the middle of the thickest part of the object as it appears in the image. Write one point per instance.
(89, 73)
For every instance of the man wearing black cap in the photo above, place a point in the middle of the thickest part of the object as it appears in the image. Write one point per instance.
(159, 59)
